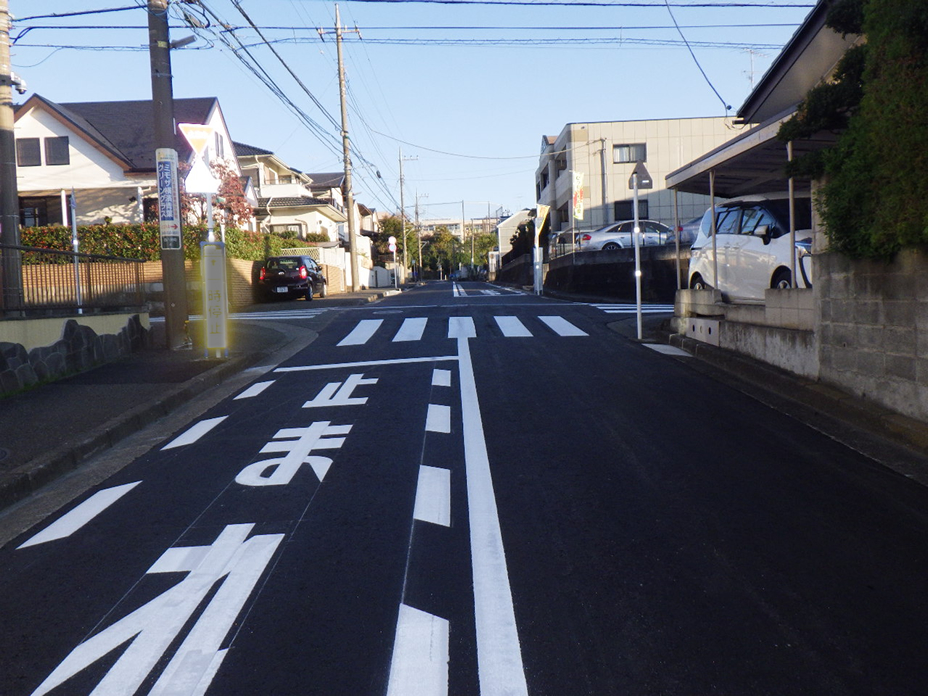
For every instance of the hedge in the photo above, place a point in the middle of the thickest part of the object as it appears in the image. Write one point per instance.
(143, 241)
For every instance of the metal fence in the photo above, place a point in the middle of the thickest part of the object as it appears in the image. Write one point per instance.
(44, 281)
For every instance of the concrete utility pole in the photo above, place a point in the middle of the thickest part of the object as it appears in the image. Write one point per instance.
(349, 196)
(11, 272)
(162, 101)
(402, 209)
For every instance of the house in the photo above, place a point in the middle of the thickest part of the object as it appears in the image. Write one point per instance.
(596, 160)
(105, 153)
(861, 326)
(509, 227)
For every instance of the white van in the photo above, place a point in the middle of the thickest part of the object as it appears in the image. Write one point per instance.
(753, 247)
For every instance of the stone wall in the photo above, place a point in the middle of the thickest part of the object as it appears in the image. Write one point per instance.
(873, 328)
(78, 349)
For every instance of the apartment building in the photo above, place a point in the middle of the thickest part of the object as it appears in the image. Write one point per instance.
(604, 154)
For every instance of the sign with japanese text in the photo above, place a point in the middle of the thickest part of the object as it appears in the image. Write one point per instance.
(168, 198)
(578, 195)
(215, 301)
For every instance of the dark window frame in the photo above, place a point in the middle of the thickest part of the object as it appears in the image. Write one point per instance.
(55, 154)
(27, 157)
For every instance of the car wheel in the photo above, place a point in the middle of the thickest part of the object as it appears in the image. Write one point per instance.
(611, 246)
(309, 292)
(697, 283)
(324, 292)
(782, 280)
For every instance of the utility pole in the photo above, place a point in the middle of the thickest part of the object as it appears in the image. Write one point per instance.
(11, 272)
(162, 101)
(402, 205)
(346, 152)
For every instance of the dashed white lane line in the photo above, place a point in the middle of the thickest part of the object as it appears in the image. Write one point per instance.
(438, 419)
(433, 496)
(362, 332)
(420, 655)
(194, 433)
(79, 516)
(254, 390)
(441, 378)
(562, 327)
(461, 327)
(512, 327)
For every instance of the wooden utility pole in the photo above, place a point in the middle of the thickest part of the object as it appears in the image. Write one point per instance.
(349, 196)
(11, 274)
(162, 100)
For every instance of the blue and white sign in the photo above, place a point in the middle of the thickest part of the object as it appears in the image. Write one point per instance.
(168, 198)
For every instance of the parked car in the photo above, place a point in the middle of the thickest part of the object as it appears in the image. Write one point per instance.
(689, 230)
(291, 276)
(753, 247)
(618, 235)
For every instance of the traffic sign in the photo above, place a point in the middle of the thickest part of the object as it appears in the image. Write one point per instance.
(644, 179)
(200, 179)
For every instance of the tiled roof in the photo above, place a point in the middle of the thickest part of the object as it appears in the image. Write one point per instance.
(243, 150)
(327, 179)
(126, 128)
(290, 201)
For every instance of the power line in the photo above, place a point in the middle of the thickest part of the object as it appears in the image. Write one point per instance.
(695, 60)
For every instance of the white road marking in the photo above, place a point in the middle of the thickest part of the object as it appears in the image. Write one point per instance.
(297, 444)
(441, 378)
(365, 363)
(438, 419)
(668, 350)
(79, 516)
(254, 390)
(461, 327)
(411, 329)
(419, 666)
(562, 327)
(625, 308)
(457, 291)
(339, 393)
(433, 496)
(362, 332)
(194, 433)
(234, 563)
(512, 327)
(499, 656)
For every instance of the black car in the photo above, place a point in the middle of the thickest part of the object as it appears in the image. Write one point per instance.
(291, 276)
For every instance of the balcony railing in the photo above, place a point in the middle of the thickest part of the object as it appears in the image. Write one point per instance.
(43, 281)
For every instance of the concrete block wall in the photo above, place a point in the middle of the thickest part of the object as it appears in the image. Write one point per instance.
(872, 328)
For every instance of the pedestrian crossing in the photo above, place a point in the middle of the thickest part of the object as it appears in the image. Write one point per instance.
(626, 308)
(414, 328)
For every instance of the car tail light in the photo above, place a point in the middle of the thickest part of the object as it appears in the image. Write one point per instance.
(304, 274)
(585, 238)
(263, 273)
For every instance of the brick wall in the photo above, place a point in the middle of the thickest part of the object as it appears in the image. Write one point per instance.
(873, 328)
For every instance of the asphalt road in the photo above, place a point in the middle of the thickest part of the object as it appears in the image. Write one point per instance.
(468, 490)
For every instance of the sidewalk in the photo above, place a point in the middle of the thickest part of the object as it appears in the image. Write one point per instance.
(48, 431)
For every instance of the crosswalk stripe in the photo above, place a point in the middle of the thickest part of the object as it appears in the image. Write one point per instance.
(562, 327)
(512, 327)
(411, 329)
(461, 327)
(362, 332)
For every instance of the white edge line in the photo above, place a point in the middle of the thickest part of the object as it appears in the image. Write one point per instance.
(68, 524)
(194, 433)
(365, 363)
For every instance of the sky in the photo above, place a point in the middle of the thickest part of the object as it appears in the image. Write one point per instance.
(460, 92)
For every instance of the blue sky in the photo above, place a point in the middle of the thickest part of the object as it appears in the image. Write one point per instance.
(466, 91)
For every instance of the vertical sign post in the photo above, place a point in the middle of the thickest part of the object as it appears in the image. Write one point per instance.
(541, 214)
(215, 302)
(640, 179)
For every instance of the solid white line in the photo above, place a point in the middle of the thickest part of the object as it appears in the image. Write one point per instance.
(365, 363)
(433, 496)
(194, 433)
(254, 390)
(499, 657)
(362, 332)
(438, 419)
(562, 327)
(461, 327)
(420, 655)
(81, 515)
(441, 378)
(411, 329)
(512, 327)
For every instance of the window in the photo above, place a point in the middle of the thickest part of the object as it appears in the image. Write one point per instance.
(625, 210)
(33, 212)
(629, 153)
(57, 151)
(28, 152)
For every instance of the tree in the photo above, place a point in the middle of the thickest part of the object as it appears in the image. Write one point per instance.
(230, 198)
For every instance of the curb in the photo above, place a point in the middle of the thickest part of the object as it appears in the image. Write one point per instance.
(819, 402)
(33, 475)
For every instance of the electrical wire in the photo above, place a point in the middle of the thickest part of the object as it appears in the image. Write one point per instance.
(695, 60)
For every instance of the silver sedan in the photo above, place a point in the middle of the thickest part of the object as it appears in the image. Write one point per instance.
(618, 235)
